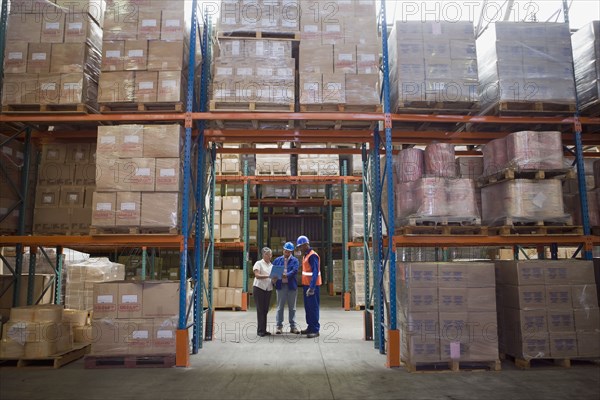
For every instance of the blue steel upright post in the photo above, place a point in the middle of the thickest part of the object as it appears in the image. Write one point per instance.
(345, 287)
(378, 306)
(585, 216)
(368, 317)
(393, 353)
(182, 337)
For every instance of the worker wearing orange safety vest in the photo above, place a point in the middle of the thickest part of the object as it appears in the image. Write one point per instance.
(311, 281)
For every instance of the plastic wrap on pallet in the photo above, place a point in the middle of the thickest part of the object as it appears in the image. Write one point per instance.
(528, 62)
(440, 160)
(160, 210)
(469, 167)
(432, 62)
(409, 165)
(534, 150)
(273, 164)
(255, 48)
(523, 201)
(494, 156)
(80, 278)
(462, 195)
(573, 207)
(586, 53)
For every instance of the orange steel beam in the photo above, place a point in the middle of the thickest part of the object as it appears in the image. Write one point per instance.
(58, 118)
(474, 240)
(288, 180)
(295, 203)
(166, 241)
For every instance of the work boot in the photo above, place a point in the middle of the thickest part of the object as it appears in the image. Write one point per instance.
(304, 332)
(295, 331)
(312, 335)
(279, 330)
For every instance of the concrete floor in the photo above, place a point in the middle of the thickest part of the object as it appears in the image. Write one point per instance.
(337, 365)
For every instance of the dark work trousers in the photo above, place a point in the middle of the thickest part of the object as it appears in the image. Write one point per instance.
(311, 307)
(262, 299)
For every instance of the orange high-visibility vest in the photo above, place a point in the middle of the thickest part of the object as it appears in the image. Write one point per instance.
(307, 272)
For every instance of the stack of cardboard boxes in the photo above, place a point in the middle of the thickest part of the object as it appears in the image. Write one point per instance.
(339, 53)
(138, 177)
(144, 51)
(137, 318)
(548, 309)
(586, 53)
(432, 62)
(65, 187)
(254, 71)
(227, 288)
(357, 215)
(258, 16)
(81, 278)
(338, 276)
(52, 52)
(36, 332)
(447, 312)
(40, 282)
(522, 53)
(228, 218)
(571, 196)
(336, 232)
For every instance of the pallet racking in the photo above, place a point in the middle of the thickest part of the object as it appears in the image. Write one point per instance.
(200, 179)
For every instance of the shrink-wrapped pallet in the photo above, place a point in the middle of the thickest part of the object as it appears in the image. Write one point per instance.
(573, 207)
(523, 201)
(533, 150)
(586, 55)
(439, 160)
(409, 165)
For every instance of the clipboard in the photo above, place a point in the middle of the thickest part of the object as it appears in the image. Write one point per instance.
(277, 272)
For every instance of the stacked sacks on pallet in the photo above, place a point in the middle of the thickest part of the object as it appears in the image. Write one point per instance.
(438, 195)
(523, 200)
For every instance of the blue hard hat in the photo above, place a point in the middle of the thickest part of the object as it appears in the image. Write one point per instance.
(289, 246)
(301, 240)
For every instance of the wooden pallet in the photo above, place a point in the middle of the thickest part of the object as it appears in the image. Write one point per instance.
(220, 240)
(530, 108)
(563, 362)
(79, 108)
(319, 173)
(441, 221)
(43, 230)
(130, 361)
(110, 108)
(440, 107)
(253, 124)
(250, 106)
(339, 124)
(54, 361)
(443, 230)
(453, 366)
(535, 230)
(271, 172)
(132, 230)
(510, 174)
(251, 34)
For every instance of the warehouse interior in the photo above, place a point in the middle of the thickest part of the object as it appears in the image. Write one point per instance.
(442, 159)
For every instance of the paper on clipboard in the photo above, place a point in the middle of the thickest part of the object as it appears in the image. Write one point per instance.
(277, 272)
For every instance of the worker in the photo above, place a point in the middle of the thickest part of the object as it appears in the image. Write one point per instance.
(287, 288)
(311, 280)
(262, 289)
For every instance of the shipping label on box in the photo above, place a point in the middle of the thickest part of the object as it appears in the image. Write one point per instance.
(130, 141)
(103, 209)
(47, 197)
(53, 29)
(105, 300)
(163, 338)
(128, 209)
(170, 86)
(146, 86)
(113, 55)
(135, 55)
(72, 196)
(129, 300)
(173, 25)
(148, 25)
(15, 57)
(167, 174)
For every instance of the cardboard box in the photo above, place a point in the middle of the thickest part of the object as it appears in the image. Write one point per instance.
(15, 57)
(77, 88)
(116, 87)
(569, 272)
(20, 89)
(334, 88)
(367, 59)
(107, 339)
(558, 296)
(520, 272)
(422, 299)
(47, 197)
(130, 141)
(481, 275)
(53, 29)
(166, 56)
(561, 320)
(315, 59)
(230, 231)
(107, 175)
(173, 25)
(160, 210)
(230, 217)
(81, 28)
(525, 322)
(587, 319)
(78, 153)
(162, 141)
(160, 299)
(135, 55)
(163, 338)
(531, 346)
(223, 277)
(170, 87)
(452, 275)
(106, 297)
(481, 299)
(85, 174)
(129, 299)
(80, 219)
(588, 344)
(311, 88)
(24, 27)
(120, 22)
(51, 173)
(421, 349)
(231, 203)
(107, 142)
(51, 221)
(70, 58)
(128, 209)
(454, 326)
(72, 196)
(38, 58)
(584, 296)
(452, 300)
(483, 326)
(563, 344)
(104, 209)
(137, 335)
(421, 324)
(167, 174)
(221, 299)
(148, 25)
(531, 297)
(344, 58)
(236, 277)
(146, 87)
(419, 274)
(113, 55)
